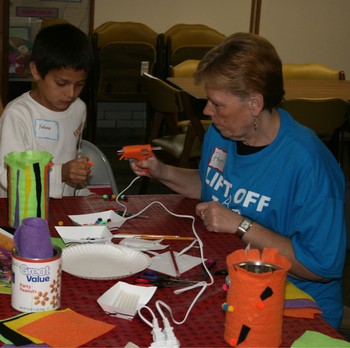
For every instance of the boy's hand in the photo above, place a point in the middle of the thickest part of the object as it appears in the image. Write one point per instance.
(76, 171)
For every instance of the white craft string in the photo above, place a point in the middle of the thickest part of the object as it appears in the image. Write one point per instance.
(202, 284)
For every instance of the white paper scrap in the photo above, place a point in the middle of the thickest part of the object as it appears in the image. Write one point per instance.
(163, 263)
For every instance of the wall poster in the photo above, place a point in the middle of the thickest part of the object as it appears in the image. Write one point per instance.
(26, 17)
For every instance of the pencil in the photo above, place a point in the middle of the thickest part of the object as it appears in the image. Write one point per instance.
(152, 236)
(172, 255)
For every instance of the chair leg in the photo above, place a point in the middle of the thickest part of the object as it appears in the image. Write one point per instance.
(345, 325)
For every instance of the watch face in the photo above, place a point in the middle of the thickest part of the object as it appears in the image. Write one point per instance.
(245, 224)
(244, 227)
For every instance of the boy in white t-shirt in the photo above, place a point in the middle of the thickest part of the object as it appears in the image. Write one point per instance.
(51, 116)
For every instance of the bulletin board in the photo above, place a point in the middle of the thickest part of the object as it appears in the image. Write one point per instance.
(26, 18)
(77, 12)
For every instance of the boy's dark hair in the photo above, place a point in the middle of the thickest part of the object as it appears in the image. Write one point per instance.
(61, 46)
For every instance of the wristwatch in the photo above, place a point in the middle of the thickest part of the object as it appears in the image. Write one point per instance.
(244, 227)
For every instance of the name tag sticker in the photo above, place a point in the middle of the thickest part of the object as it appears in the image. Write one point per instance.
(218, 159)
(46, 129)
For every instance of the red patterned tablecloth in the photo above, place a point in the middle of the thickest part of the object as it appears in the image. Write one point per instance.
(205, 325)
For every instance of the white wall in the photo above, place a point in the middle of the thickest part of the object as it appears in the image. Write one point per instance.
(308, 31)
(226, 16)
(302, 31)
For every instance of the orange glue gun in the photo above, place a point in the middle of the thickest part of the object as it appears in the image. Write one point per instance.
(137, 152)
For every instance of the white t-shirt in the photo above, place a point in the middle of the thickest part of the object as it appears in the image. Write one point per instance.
(27, 125)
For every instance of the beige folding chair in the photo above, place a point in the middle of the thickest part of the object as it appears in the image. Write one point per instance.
(189, 41)
(122, 50)
(165, 102)
(101, 179)
(311, 72)
(47, 22)
(182, 149)
(187, 68)
(328, 117)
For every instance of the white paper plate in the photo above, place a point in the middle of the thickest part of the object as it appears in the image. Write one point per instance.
(103, 261)
(114, 220)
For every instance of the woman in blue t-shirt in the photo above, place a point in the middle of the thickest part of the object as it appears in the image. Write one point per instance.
(264, 177)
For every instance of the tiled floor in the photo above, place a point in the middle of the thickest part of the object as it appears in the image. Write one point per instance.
(111, 140)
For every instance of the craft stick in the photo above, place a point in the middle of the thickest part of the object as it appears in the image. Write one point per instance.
(152, 236)
(172, 255)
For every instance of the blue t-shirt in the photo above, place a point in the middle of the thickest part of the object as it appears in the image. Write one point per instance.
(294, 187)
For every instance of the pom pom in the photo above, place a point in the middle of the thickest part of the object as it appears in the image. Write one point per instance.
(224, 306)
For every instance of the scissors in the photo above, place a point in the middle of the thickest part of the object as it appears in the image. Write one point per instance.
(153, 278)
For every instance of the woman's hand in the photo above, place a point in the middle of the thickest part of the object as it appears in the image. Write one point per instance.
(76, 171)
(218, 218)
(151, 167)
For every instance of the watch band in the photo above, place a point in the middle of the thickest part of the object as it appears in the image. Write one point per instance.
(243, 227)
